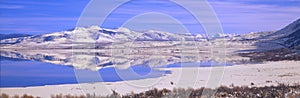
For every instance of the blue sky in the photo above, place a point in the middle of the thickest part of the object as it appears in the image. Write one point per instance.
(236, 16)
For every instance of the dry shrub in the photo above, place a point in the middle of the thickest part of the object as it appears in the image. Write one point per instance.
(27, 96)
(67, 96)
(3, 95)
(279, 91)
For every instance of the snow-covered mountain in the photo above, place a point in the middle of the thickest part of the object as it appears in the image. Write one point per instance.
(8, 36)
(95, 34)
(123, 48)
(287, 37)
(283, 44)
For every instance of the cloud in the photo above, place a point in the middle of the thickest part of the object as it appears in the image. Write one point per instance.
(35, 21)
(242, 17)
(235, 16)
(3, 6)
(21, 30)
(29, 2)
(38, 19)
(265, 2)
(36, 25)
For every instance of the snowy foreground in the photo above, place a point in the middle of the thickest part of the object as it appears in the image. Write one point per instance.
(252, 75)
(95, 48)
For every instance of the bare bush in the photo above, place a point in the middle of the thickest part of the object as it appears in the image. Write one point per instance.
(279, 91)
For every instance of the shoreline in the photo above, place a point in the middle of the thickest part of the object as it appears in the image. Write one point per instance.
(250, 75)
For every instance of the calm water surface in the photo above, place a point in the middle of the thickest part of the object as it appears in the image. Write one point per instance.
(24, 73)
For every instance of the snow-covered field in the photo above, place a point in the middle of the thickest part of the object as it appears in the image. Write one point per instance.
(265, 74)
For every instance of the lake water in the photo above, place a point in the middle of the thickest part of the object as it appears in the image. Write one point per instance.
(23, 68)
(24, 73)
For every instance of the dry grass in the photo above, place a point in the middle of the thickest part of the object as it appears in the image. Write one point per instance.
(17, 96)
(280, 91)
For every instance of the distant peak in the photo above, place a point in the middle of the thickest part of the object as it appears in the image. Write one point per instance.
(123, 29)
(298, 20)
(88, 27)
(94, 27)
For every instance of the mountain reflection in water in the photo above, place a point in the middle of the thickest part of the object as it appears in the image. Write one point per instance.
(22, 68)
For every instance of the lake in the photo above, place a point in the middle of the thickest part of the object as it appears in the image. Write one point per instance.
(25, 68)
(24, 73)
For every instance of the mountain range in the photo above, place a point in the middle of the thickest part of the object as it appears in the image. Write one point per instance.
(96, 34)
(288, 37)
(8, 36)
(283, 44)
